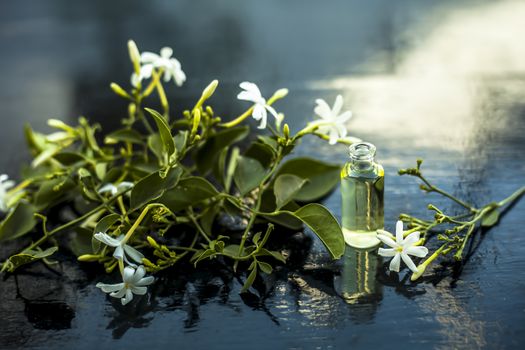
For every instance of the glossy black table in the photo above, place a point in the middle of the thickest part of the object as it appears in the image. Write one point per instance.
(443, 83)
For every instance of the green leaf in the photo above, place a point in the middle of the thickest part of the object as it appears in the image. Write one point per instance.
(248, 174)
(180, 139)
(124, 135)
(104, 224)
(189, 191)
(232, 250)
(52, 190)
(261, 152)
(69, 158)
(265, 267)
(164, 131)
(286, 186)
(491, 218)
(26, 257)
(155, 145)
(18, 222)
(321, 221)
(81, 241)
(285, 220)
(208, 253)
(322, 177)
(206, 156)
(275, 254)
(45, 155)
(153, 186)
(250, 279)
(208, 217)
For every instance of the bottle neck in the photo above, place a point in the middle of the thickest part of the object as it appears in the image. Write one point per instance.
(362, 157)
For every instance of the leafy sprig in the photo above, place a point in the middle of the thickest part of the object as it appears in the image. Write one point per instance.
(158, 186)
(452, 231)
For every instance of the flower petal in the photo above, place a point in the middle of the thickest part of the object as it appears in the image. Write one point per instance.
(108, 288)
(127, 298)
(259, 113)
(139, 273)
(124, 185)
(387, 240)
(148, 57)
(420, 252)
(119, 294)
(107, 188)
(139, 290)
(180, 77)
(166, 52)
(343, 118)
(409, 262)
(146, 71)
(411, 239)
(272, 111)
(146, 281)
(385, 233)
(127, 276)
(386, 252)
(394, 263)
(247, 96)
(250, 87)
(399, 231)
(338, 104)
(334, 135)
(133, 253)
(323, 109)
(106, 239)
(119, 253)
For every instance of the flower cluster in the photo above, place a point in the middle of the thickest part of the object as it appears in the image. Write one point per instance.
(147, 181)
(164, 64)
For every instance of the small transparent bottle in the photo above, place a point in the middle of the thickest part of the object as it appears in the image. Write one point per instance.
(362, 190)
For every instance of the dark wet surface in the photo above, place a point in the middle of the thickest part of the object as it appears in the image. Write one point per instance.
(445, 83)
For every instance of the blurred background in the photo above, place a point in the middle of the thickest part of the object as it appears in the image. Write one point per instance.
(442, 80)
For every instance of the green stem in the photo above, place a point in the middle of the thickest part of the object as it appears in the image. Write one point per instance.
(72, 223)
(422, 267)
(512, 197)
(138, 221)
(197, 225)
(446, 194)
(257, 206)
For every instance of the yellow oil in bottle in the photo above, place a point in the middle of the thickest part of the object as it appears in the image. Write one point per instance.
(362, 190)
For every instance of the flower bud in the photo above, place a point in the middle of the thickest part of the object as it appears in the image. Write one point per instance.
(286, 131)
(134, 55)
(420, 270)
(58, 124)
(280, 93)
(210, 89)
(118, 90)
(88, 258)
(152, 242)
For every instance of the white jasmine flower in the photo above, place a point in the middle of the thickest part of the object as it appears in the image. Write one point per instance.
(150, 60)
(331, 123)
(5, 186)
(121, 248)
(114, 190)
(133, 282)
(401, 248)
(252, 93)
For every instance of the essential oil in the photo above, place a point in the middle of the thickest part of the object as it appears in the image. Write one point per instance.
(362, 190)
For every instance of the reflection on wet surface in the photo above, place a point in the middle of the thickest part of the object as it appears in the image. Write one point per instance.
(443, 82)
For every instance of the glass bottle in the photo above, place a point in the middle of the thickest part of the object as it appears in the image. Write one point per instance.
(362, 189)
